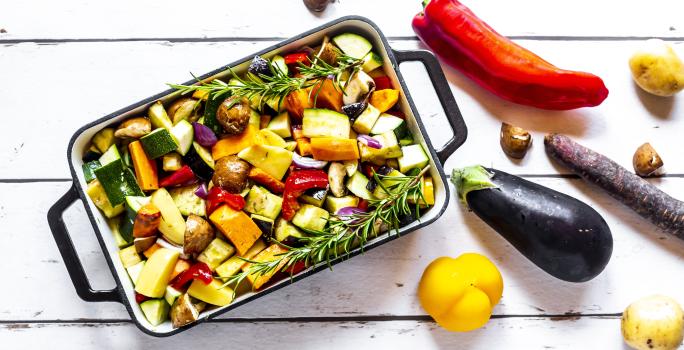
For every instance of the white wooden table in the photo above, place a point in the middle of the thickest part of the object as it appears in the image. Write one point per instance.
(64, 63)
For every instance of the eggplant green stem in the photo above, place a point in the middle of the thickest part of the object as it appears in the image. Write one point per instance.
(471, 178)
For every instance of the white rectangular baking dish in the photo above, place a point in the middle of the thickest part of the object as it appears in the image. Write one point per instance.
(124, 291)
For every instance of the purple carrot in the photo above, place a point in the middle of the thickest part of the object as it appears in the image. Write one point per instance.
(646, 199)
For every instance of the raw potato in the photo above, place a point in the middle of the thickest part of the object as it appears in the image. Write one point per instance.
(515, 141)
(657, 69)
(646, 160)
(654, 322)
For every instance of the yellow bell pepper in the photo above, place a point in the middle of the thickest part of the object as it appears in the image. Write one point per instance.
(460, 293)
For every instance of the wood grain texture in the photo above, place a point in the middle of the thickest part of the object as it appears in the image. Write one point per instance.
(511, 333)
(89, 80)
(380, 282)
(81, 19)
(65, 63)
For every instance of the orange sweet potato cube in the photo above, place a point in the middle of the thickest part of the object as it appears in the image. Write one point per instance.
(269, 254)
(327, 95)
(236, 226)
(233, 144)
(296, 102)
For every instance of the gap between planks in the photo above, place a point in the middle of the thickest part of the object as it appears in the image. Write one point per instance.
(379, 318)
(274, 38)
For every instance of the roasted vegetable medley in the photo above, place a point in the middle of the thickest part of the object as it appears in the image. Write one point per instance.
(241, 183)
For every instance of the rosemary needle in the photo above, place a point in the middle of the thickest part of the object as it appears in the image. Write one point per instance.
(344, 232)
(278, 85)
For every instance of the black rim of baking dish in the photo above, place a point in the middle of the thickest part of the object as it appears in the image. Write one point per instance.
(118, 294)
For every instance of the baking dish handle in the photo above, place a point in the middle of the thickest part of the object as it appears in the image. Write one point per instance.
(446, 98)
(68, 251)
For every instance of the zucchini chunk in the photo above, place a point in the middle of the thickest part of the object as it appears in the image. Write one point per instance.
(310, 217)
(325, 123)
(287, 233)
(97, 194)
(260, 201)
(413, 157)
(104, 139)
(281, 125)
(235, 263)
(265, 224)
(353, 45)
(118, 182)
(365, 122)
(387, 122)
(215, 253)
(334, 204)
(187, 202)
(357, 184)
(314, 196)
(158, 143)
(156, 311)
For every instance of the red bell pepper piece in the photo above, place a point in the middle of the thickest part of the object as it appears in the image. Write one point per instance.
(382, 82)
(263, 178)
(498, 64)
(180, 177)
(218, 196)
(297, 58)
(199, 271)
(369, 169)
(295, 185)
(296, 268)
(363, 204)
(139, 298)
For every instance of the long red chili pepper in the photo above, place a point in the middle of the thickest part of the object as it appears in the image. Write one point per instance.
(499, 65)
(295, 185)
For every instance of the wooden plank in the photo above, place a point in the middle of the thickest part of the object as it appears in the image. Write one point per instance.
(380, 282)
(510, 333)
(71, 84)
(78, 19)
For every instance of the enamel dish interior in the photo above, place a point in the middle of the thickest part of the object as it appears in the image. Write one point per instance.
(80, 143)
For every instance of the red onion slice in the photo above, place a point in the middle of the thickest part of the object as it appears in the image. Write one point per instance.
(203, 135)
(348, 211)
(369, 141)
(202, 191)
(308, 163)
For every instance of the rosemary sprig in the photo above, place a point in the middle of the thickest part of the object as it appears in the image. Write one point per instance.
(279, 84)
(343, 232)
(320, 70)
